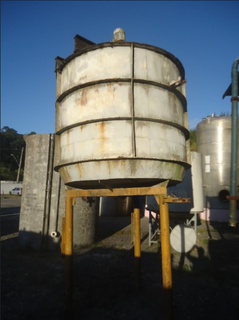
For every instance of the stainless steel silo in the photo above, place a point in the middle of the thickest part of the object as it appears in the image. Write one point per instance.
(121, 116)
(214, 143)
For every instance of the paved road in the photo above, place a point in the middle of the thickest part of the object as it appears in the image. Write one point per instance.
(9, 216)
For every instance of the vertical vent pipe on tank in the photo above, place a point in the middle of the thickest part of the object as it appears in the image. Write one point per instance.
(119, 35)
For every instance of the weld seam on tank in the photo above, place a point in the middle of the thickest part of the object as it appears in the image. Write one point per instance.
(159, 121)
(129, 80)
(185, 164)
(91, 84)
(99, 120)
(169, 88)
(163, 52)
(182, 163)
(134, 148)
(178, 94)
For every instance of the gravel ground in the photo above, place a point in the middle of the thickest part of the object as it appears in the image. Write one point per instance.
(205, 280)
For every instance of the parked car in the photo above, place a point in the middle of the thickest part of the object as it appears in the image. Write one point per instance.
(17, 191)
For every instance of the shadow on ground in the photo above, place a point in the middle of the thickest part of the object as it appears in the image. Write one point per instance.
(205, 280)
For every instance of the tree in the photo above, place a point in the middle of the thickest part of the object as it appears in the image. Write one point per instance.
(11, 146)
(193, 140)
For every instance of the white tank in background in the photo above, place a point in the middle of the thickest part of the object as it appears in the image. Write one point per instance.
(214, 143)
(191, 187)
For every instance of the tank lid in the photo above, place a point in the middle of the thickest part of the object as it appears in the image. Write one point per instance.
(119, 35)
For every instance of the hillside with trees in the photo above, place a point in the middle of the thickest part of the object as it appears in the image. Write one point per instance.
(12, 152)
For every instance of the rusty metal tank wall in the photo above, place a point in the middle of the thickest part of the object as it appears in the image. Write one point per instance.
(121, 117)
(214, 143)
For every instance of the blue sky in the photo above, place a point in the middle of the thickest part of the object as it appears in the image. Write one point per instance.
(203, 35)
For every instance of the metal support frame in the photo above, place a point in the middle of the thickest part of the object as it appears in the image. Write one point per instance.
(162, 199)
(193, 220)
(154, 228)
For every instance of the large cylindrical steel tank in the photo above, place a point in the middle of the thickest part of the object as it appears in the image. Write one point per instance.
(121, 116)
(214, 143)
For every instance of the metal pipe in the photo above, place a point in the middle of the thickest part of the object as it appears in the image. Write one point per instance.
(58, 202)
(63, 237)
(48, 190)
(233, 180)
(68, 251)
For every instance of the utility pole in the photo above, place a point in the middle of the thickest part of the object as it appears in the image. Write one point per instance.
(19, 164)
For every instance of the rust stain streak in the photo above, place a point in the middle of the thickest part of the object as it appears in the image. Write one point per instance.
(84, 97)
(102, 130)
(102, 138)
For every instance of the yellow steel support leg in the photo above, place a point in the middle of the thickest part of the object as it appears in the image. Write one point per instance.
(68, 252)
(137, 247)
(166, 257)
(160, 193)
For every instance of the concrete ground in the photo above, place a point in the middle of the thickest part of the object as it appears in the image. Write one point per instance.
(205, 279)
